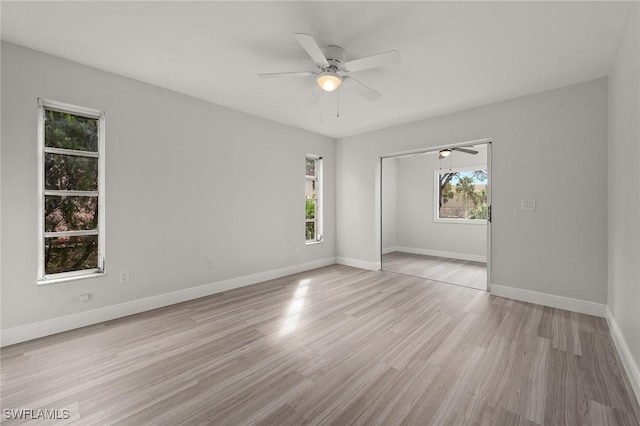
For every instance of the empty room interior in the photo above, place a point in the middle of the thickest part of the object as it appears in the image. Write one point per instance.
(365, 212)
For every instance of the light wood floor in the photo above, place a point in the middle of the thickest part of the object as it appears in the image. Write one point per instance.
(452, 271)
(336, 345)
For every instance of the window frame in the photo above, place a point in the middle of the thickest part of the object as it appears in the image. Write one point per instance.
(318, 220)
(44, 104)
(436, 196)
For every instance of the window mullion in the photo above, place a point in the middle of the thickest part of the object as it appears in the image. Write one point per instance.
(70, 233)
(73, 152)
(71, 193)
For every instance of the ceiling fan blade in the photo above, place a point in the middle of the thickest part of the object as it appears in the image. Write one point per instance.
(287, 74)
(362, 89)
(309, 44)
(468, 151)
(314, 99)
(378, 60)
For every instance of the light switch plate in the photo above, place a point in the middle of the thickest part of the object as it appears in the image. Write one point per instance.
(528, 204)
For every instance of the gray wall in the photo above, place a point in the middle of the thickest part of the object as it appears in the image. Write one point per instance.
(542, 143)
(186, 180)
(416, 228)
(624, 195)
(389, 203)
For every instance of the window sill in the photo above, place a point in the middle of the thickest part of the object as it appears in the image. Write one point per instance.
(312, 243)
(72, 278)
(462, 221)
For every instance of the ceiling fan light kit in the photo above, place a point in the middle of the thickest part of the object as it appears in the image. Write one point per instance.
(333, 67)
(445, 153)
(328, 81)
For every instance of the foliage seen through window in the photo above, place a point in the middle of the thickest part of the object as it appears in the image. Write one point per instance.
(71, 155)
(462, 195)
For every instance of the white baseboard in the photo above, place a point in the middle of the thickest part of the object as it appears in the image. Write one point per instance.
(26, 332)
(630, 366)
(357, 263)
(438, 253)
(553, 301)
(389, 250)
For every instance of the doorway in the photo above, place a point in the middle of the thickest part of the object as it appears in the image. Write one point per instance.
(435, 213)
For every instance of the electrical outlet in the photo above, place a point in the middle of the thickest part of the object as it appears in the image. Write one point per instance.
(123, 277)
(84, 297)
(529, 204)
(210, 263)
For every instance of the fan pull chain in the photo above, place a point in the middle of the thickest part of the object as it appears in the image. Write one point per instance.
(338, 104)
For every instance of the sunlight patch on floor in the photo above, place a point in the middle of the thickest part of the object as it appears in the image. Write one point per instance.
(295, 307)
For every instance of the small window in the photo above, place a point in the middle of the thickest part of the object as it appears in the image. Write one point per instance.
(71, 192)
(313, 199)
(461, 195)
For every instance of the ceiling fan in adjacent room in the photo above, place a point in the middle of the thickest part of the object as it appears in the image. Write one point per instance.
(333, 67)
(444, 153)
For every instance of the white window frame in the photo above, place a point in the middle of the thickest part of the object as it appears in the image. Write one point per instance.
(45, 104)
(436, 196)
(319, 199)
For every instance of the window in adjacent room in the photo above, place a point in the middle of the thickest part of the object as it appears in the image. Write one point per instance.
(461, 195)
(71, 192)
(313, 199)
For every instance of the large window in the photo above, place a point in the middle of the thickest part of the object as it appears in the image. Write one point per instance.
(71, 192)
(313, 199)
(461, 195)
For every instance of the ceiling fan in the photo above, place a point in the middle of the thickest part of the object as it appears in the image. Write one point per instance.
(333, 67)
(444, 153)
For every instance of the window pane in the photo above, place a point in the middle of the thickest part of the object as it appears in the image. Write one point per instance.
(70, 213)
(69, 131)
(310, 189)
(311, 167)
(310, 209)
(463, 195)
(310, 231)
(69, 172)
(64, 254)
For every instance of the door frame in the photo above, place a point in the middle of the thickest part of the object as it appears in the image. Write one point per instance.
(489, 143)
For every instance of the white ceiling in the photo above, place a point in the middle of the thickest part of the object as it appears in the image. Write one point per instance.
(454, 55)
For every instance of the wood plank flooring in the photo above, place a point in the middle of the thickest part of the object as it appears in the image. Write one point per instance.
(452, 271)
(336, 345)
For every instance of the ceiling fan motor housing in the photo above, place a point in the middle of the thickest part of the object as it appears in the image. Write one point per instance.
(336, 56)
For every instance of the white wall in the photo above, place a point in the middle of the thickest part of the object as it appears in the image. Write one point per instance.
(624, 197)
(541, 144)
(186, 180)
(389, 204)
(416, 229)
